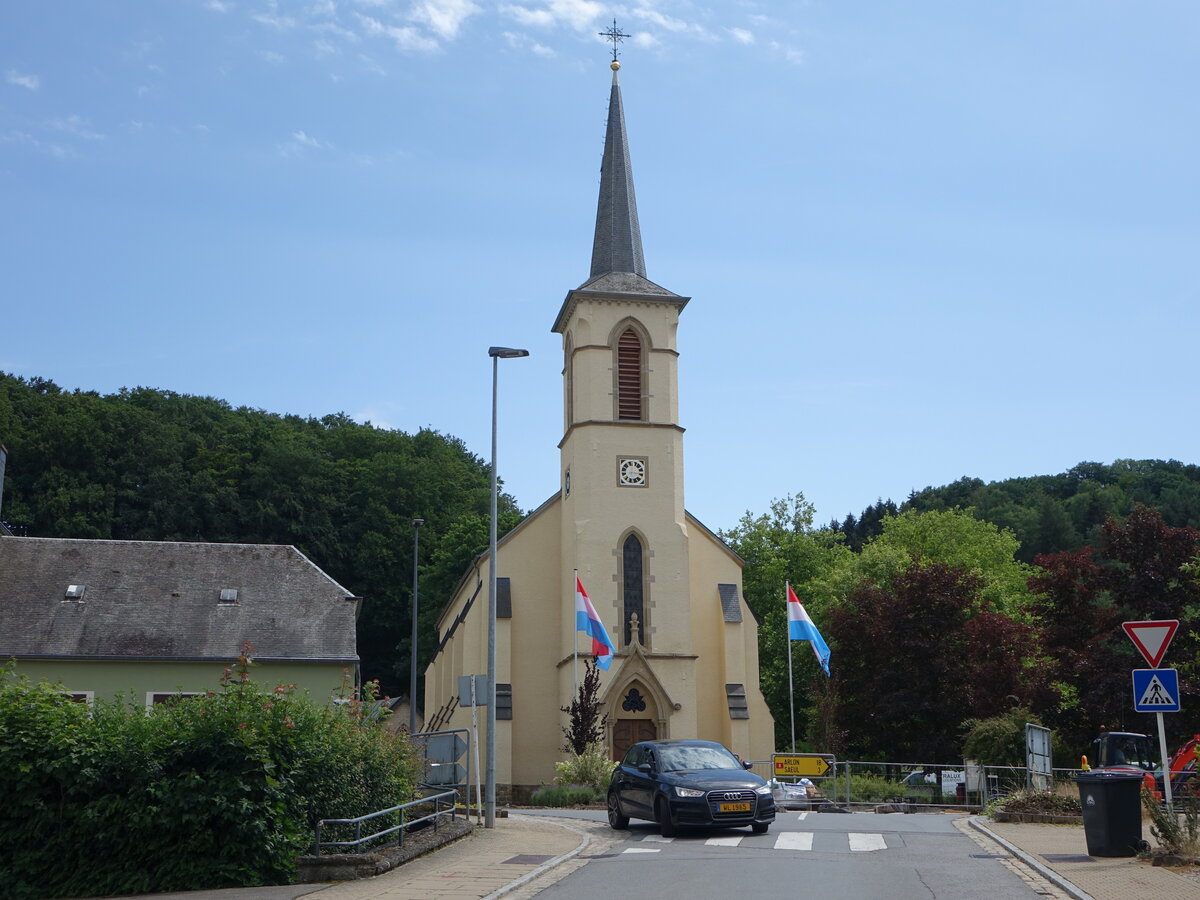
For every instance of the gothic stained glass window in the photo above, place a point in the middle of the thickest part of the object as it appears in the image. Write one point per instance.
(631, 558)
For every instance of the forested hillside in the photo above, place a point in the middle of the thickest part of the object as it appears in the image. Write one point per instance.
(1049, 513)
(146, 464)
(967, 601)
(937, 623)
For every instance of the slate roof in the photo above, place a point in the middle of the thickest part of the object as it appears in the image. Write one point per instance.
(161, 600)
(618, 242)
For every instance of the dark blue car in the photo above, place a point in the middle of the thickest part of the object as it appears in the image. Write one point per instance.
(682, 783)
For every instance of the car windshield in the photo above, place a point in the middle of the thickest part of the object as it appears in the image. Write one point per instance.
(675, 759)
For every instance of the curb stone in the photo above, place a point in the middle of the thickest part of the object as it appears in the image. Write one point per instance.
(1049, 874)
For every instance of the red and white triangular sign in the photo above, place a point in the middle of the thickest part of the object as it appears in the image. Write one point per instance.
(1152, 638)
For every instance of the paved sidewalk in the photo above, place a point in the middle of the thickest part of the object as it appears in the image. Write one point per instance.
(1059, 852)
(516, 858)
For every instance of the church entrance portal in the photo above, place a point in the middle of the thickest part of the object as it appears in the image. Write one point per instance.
(628, 732)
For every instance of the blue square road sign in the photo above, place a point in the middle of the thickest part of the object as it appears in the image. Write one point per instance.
(1156, 690)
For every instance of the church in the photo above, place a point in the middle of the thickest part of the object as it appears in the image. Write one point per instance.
(667, 589)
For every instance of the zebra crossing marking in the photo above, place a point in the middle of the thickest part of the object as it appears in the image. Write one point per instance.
(863, 842)
(794, 840)
(859, 842)
(642, 850)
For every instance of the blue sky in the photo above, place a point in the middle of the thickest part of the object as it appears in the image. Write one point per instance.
(923, 240)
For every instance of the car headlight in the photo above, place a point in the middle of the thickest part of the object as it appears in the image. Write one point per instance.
(688, 792)
(765, 790)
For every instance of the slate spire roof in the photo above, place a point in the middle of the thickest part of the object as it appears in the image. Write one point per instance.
(618, 243)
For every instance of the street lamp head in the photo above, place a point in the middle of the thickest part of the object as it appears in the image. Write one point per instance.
(506, 352)
(417, 523)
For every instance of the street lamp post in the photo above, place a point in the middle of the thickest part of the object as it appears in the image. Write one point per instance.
(489, 803)
(412, 672)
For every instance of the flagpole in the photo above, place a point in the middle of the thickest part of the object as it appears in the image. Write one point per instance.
(574, 635)
(791, 701)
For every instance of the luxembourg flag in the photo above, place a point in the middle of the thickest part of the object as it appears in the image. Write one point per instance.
(801, 628)
(587, 621)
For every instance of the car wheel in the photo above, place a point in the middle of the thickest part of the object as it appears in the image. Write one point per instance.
(662, 812)
(760, 827)
(615, 819)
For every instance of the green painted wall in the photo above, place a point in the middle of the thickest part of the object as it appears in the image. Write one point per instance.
(109, 679)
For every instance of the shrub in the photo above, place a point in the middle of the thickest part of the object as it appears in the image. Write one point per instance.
(593, 769)
(564, 795)
(217, 791)
(1050, 803)
(1177, 832)
(1000, 740)
(874, 789)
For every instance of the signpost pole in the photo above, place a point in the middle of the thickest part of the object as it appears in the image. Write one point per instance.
(791, 702)
(475, 753)
(1166, 763)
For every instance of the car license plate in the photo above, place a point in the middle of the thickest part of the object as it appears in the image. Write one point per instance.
(733, 807)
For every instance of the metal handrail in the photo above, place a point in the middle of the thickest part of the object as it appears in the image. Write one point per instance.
(451, 798)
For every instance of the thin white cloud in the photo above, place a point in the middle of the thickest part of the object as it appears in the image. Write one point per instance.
(372, 65)
(58, 151)
(444, 17)
(679, 26)
(577, 14)
(280, 23)
(271, 56)
(77, 126)
(742, 36)
(218, 6)
(791, 54)
(30, 82)
(305, 140)
(645, 40)
(523, 42)
(405, 37)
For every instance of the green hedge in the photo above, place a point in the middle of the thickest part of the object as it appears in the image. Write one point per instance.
(203, 792)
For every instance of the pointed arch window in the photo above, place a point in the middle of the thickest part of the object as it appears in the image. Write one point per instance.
(569, 379)
(630, 371)
(633, 593)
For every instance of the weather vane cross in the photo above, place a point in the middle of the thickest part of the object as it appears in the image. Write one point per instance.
(615, 35)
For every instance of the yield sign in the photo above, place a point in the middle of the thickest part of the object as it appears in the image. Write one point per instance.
(1151, 638)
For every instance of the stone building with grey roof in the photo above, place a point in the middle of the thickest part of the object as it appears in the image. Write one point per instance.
(149, 619)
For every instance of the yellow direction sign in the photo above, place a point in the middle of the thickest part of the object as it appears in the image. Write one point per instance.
(801, 765)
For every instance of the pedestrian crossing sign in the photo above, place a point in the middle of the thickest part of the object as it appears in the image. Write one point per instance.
(1156, 690)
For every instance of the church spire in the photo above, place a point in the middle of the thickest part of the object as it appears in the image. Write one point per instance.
(618, 243)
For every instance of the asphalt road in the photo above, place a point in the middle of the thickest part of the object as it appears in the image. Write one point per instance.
(859, 856)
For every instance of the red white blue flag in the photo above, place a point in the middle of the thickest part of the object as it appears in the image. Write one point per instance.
(801, 628)
(587, 621)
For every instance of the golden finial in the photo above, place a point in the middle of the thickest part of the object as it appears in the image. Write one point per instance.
(614, 65)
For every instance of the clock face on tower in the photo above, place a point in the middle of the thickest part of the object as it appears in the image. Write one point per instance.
(631, 471)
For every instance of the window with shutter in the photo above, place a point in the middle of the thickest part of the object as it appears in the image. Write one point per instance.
(629, 376)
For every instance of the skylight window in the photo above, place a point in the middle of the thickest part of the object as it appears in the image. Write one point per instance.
(229, 596)
(74, 592)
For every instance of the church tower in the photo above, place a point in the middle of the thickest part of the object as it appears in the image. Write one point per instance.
(623, 521)
(667, 589)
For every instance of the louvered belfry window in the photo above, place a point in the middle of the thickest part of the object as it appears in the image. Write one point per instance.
(629, 376)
